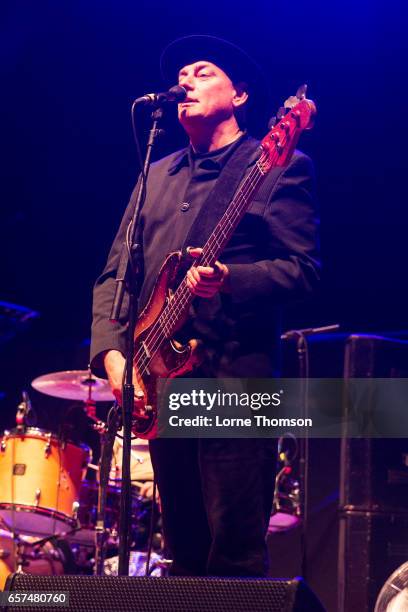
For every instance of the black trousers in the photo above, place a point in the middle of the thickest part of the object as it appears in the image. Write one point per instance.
(216, 497)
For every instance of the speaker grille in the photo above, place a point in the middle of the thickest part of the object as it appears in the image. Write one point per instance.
(176, 594)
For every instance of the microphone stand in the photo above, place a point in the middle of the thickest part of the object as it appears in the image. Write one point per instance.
(128, 277)
(300, 335)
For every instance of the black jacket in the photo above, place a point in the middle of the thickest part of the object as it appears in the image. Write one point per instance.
(272, 258)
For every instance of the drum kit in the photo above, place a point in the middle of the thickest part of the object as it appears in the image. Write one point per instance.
(48, 508)
(49, 521)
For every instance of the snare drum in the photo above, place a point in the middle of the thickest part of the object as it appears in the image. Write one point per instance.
(41, 478)
(47, 560)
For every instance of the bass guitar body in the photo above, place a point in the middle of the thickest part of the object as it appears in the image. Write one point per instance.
(157, 357)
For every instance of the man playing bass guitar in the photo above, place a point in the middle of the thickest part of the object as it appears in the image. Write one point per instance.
(216, 509)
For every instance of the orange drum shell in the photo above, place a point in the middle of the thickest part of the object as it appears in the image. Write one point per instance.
(36, 461)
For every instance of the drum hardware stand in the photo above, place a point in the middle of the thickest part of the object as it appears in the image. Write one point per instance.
(302, 349)
(107, 432)
(107, 441)
(21, 556)
(90, 404)
(149, 569)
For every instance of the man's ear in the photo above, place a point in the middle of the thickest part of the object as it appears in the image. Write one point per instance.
(241, 94)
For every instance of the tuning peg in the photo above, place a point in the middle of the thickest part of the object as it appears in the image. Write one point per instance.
(281, 113)
(301, 92)
(272, 122)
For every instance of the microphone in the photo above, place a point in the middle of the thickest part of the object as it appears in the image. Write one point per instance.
(309, 331)
(174, 94)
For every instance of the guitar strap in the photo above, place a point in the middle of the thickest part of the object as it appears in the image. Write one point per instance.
(218, 200)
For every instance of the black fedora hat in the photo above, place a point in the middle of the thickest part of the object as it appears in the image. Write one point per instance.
(233, 60)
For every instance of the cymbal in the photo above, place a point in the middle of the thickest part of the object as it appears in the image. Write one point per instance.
(74, 385)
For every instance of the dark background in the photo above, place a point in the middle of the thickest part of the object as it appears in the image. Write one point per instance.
(69, 71)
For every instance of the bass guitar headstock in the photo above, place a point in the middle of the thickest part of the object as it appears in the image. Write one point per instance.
(296, 115)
